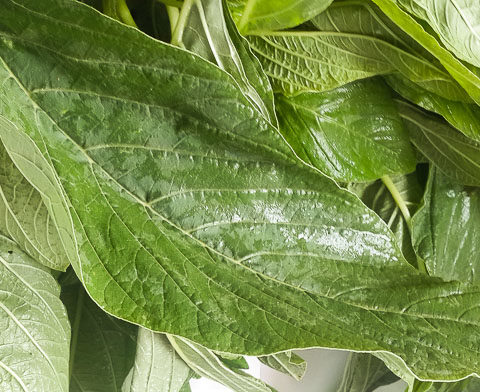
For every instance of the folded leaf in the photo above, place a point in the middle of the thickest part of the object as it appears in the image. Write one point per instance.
(206, 364)
(467, 78)
(260, 15)
(463, 116)
(157, 368)
(25, 219)
(103, 347)
(352, 133)
(34, 330)
(446, 229)
(190, 214)
(346, 49)
(365, 373)
(456, 22)
(453, 153)
(287, 362)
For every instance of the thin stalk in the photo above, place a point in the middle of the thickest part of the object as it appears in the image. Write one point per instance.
(397, 197)
(173, 14)
(181, 23)
(76, 328)
(124, 13)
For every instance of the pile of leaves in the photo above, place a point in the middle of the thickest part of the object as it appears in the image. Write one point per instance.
(186, 182)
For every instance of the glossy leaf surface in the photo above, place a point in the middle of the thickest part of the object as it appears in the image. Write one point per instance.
(34, 329)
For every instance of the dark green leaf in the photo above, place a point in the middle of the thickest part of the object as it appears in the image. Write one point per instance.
(446, 229)
(34, 330)
(352, 133)
(453, 153)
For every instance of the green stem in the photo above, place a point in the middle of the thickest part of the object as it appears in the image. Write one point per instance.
(405, 212)
(181, 23)
(124, 13)
(173, 14)
(76, 328)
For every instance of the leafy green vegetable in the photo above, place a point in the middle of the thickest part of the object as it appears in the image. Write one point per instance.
(142, 148)
(34, 332)
(352, 133)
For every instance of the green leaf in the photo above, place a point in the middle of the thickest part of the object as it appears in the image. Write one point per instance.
(446, 229)
(157, 368)
(211, 33)
(206, 364)
(453, 153)
(25, 219)
(456, 22)
(466, 77)
(463, 116)
(184, 211)
(300, 61)
(352, 133)
(365, 373)
(257, 15)
(103, 347)
(34, 330)
(287, 362)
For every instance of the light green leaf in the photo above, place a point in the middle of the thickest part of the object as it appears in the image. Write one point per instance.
(453, 153)
(206, 364)
(352, 133)
(300, 61)
(468, 79)
(34, 330)
(190, 214)
(25, 219)
(259, 15)
(211, 33)
(103, 347)
(456, 22)
(158, 368)
(446, 229)
(463, 116)
(365, 373)
(287, 362)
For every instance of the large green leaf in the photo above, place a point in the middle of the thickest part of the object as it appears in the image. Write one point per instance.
(206, 364)
(453, 153)
(352, 44)
(157, 368)
(211, 33)
(190, 214)
(456, 22)
(259, 15)
(446, 229)
(286, 362)
(467, 78)
(34, 330)
(24, 217)
(352, 133)
(103, 347)
(463, 116)
(365, 373)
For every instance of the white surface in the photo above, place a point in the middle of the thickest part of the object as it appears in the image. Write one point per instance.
(324, 372)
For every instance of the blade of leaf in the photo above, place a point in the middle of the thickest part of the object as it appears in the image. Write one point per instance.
(463, 116)
(365, 373)
(157, 368)
(25, 219)
(453, 153)
(446, 229)
(206, 364)
(469, 80)
(103, 347)
(211, 33)
(187, 205)
(34, 330)
(256, 15)
(456, 22)
(352, 133)
(287, 362)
